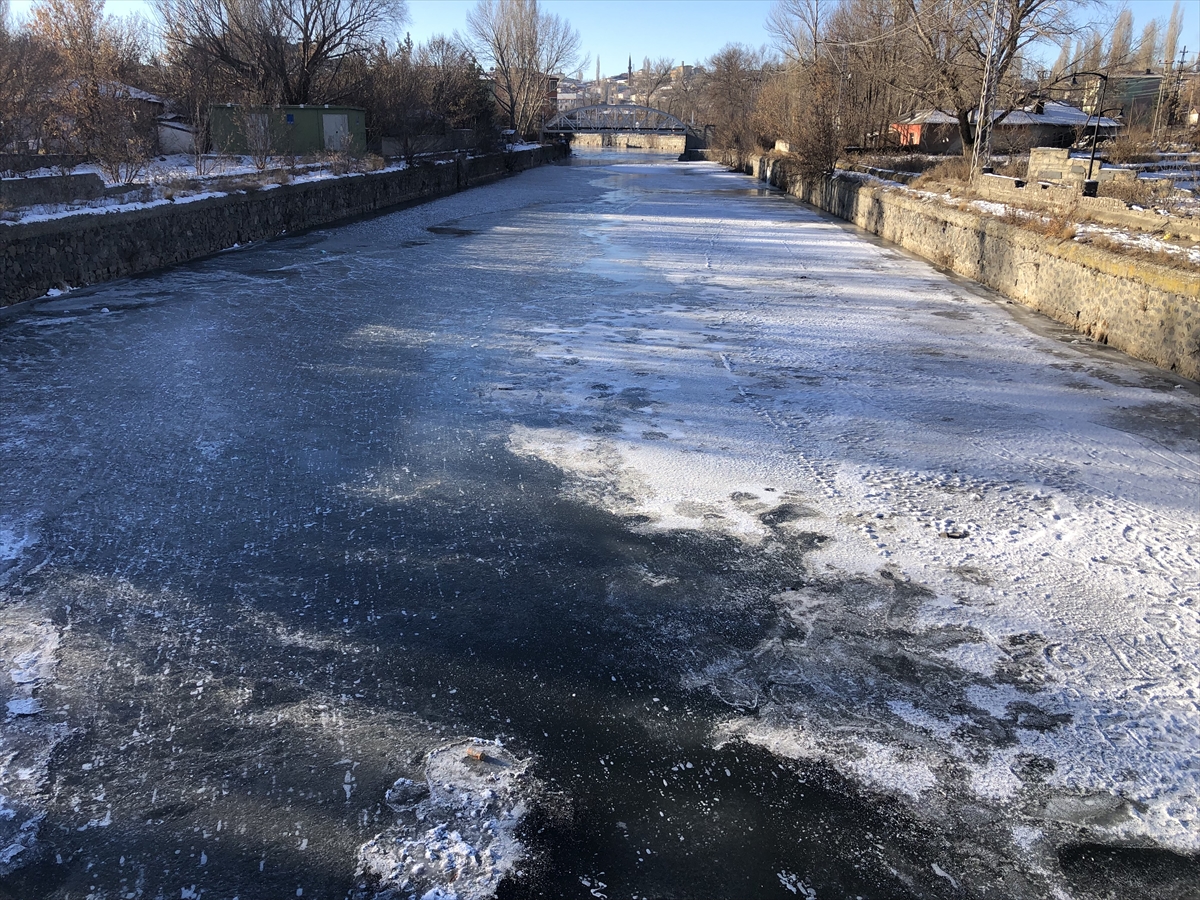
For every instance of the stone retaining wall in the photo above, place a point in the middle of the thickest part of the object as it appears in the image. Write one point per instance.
(16, 192)
(1066, 200)
(633, 140)
(1149, 311)
(86, 249)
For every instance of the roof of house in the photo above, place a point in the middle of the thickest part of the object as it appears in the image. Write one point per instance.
(1054, 112)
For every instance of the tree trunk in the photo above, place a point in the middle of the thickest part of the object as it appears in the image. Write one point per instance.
(966, 131)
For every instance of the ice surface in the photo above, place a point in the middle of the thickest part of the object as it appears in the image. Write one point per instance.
(633, 432)
(1016, 517)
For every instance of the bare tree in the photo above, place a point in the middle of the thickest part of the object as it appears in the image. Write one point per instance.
(1089, 50)
(1171, 39)
(282, 51)
(95, 113)
(396, 97)
(28, 69)
(1120, 44)
(652, 78)
(523, 47)
(193, 82)
(796, 26)
(798, 104)
(1062, 64)
(684, 100)
(454, 88)
(734, 78)
(952, 39)
(1148, 47)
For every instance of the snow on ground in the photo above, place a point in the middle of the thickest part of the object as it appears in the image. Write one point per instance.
(1137, 240)
(1001, 525)
(174, 179)
(455, 835)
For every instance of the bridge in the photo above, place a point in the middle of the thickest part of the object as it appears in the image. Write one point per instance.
(625, 125)
(604, 118)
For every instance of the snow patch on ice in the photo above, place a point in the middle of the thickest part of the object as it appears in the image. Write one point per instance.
(15, 539)
(1018, 515)
(981, 658)
(1026, 836)
(455, 838)
(918, 718)
(24, 706)
(794, 884)
(28, 658)
(892, 769)
(995, 780)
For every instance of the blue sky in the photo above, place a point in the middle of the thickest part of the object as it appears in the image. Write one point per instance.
(686, 30)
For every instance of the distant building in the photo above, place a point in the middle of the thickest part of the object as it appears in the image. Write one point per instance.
(571, 94)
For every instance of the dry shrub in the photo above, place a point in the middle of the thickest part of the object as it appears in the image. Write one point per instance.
(247, 183)
(796, 105)
(953, 170)
(1126, 150)
(1140, 191)
(1015, 167)
(341, 162)
(1158, 257)
(1059, 226)
(906, 162)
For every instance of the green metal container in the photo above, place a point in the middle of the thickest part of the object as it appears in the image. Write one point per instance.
(298, 130)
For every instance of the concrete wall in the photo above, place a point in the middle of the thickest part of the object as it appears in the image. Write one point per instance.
(87, 249)
(50, 189)
(1051, 164)
(1149, 311)
(674, 143)
(28, 162)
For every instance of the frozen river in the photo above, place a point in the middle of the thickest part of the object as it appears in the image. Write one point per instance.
(617, 530)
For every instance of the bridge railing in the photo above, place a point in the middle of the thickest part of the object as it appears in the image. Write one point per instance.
(607, 118)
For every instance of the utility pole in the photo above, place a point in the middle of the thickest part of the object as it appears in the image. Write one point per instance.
(1173, 98)
(981, 153)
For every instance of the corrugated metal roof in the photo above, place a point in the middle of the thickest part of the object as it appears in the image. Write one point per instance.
(1053, 112)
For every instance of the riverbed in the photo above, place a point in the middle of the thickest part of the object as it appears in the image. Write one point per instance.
(747, 556)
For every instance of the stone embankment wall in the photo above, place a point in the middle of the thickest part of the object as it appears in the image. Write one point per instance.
(91, 248)
(1065, 200)
(674, 143)
(1149, 311)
